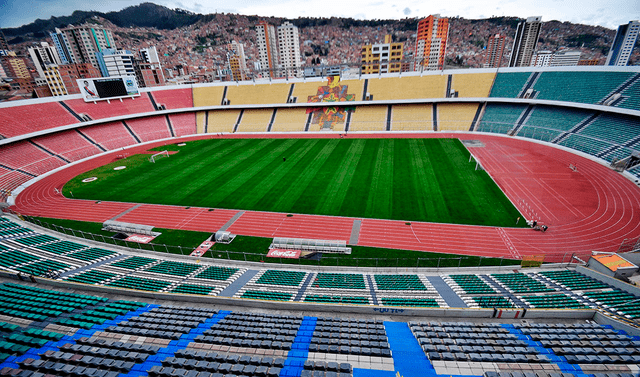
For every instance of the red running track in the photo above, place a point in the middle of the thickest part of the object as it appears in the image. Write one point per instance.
(590, 209)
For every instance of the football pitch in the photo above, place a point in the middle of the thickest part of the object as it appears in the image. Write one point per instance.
(399, 179)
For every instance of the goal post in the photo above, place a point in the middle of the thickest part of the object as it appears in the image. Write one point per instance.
(158, 155)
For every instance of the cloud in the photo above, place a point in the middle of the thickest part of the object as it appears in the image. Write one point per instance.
(406, 11)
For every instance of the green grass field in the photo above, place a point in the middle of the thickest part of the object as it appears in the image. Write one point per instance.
(400, 179)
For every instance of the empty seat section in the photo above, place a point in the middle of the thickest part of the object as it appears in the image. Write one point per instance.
(574, 280)
(556, 118)
(554, 301)
(91, 277)
(267, 295)
(368, 118)
(470, 284)
(509, 85)
(133, 263)
(173, 98)
(257, 94)
(520, 283)
(183, 124)
(221, 121)
(104, 109)
(10, 180)
(217, 273)
(27, 157)
(411, 302)
(290, 120)
(412, 117)
(193, 289)
(491, 302)
(500, 118)
(339, 281)
(92, 254)
(279, 277)
(24, 119)
(620, 302)
(589, 145)
(111, 135)
(617, 129)
(174, 268)
(619, 153)
(138, 283)
(472, 85)
(15, 257)
(149, 129)
(456, 116)
(255, 120)
(399, 283)
(583, 87)
(68, 144)
(631, 97)
(408, 87)
(335, 299)
(207, 96)
(304, 90)
(200, 121)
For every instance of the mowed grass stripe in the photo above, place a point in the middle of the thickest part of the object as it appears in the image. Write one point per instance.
(379, 196)
(266, 185)
(297, 189)
(331, 201)
(401, 179)
(224, 192)
(360, 186)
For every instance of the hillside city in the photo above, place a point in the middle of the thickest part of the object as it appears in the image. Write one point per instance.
(230, 47)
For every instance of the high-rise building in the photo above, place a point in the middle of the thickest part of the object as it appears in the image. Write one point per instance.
(289, 49)
(525, 41)
(565, 58)
(3, 42)
(623, 44)
(431, 42)
(268, 48)
(541, 59)
(114, 62)
(148, 68)
(79, 44)
(237, 61)
(382, 57)
(494, 51)
(42, 56)
(61, 79)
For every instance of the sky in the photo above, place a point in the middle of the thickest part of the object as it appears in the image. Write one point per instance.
(607, 13)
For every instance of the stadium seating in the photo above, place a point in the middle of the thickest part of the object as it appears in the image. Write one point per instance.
(28, 157)
(456, 117)
(509, 84)
(582, 87)
(183, 124)
(616, 129)
(521, 283)
(111, 135)
(91, 277)
(632, 97)
(218, 121)
(589, 145)
(370, 118)
(279, 277)
(174, 268)
(255, 120)
(573, 280)
(412, 117)
(24, 119)
(151, 128)
(500, 118)
(267, 295)
(173, 98)
(339, 281)
(556, 118)
(399, 282)
(68, 144)
(133, 263)
(407, 87)
(249, 94)
(104, 109)
(555, 301)
(476, 85)
(290, 120)
(615, 300)
(207, 96)
(470, 284)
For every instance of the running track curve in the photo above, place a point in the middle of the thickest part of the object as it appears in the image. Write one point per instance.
(591, 208)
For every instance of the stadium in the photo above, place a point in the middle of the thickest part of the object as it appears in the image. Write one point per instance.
(455, 165)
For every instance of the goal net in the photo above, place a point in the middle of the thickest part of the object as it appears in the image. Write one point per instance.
(154, 157)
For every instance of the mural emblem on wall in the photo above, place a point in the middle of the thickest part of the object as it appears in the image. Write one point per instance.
(330, 116)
